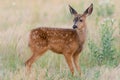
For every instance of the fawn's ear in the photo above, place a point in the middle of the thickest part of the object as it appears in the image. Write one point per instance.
(72, 11)
(89, 10)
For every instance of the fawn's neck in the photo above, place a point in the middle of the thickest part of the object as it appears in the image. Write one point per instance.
(81, 35)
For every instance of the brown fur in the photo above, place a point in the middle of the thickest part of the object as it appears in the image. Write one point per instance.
(68, 42)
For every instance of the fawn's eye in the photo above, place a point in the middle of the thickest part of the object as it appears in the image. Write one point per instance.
(80, 20)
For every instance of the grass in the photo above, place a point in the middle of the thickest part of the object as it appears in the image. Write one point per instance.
(105, 52)
(19, 17)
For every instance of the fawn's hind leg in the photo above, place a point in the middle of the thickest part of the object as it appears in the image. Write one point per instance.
(36, 55)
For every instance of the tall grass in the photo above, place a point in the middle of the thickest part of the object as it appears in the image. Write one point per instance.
(20, 16)
(105, 52)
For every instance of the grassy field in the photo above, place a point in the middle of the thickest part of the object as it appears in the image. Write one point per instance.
(99, 60)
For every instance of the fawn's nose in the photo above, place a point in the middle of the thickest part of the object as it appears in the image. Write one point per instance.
(74, 26)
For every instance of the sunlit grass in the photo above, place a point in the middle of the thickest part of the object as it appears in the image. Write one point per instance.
(19, 17)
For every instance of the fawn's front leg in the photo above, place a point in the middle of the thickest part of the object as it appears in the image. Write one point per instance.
(76, 59)
(68, 58)
(76, 62)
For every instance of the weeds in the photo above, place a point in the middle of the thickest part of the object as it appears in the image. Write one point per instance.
(104, 54)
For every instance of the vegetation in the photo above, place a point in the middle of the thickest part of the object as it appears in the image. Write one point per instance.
(105, 52)
(99, 60)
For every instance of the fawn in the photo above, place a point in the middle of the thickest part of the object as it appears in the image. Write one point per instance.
(68, 42)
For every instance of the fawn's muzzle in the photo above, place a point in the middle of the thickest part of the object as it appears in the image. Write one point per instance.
(74, 26)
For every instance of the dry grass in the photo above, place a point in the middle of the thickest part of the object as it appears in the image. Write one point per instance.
(18, 17)
(96, 73)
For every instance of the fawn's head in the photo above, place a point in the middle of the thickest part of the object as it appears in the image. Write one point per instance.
(79, 19)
